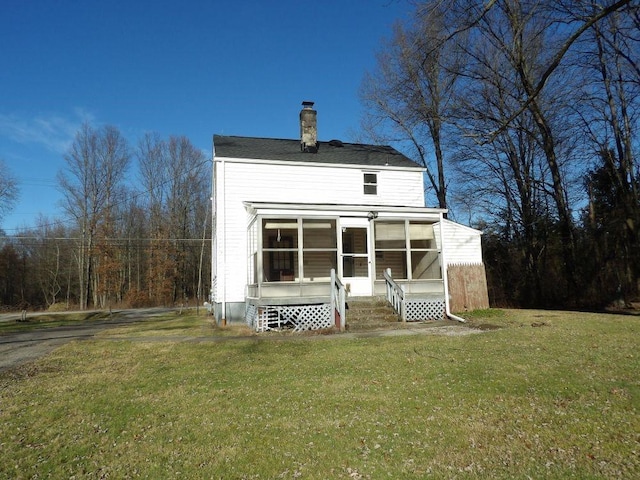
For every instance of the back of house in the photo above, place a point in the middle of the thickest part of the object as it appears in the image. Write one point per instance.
(289, 211)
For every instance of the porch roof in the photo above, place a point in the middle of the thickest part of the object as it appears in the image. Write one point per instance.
(333, 152)
(339, 209)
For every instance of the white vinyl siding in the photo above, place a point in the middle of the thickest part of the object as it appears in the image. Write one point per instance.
(463, 244)
(297, 183)
(322, 184)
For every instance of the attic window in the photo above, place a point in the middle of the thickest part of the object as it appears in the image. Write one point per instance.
(370, 183)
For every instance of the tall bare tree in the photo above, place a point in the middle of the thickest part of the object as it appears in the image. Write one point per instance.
(609, 57)
(49, 255)
(96, 166)
(511, 46)
(174, 173)
(8, 189)
(509, 100)
(409, 96)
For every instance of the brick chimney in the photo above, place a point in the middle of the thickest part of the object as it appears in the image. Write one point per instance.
(308, 128)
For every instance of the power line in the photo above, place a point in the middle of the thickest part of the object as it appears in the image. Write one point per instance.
(128, 198)
(108, 240)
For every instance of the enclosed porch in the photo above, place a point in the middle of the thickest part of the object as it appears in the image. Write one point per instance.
(292, 252)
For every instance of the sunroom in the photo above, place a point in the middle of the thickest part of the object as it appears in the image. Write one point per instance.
(296, 251)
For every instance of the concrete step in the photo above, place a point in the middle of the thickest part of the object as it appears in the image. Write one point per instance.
(369, 313)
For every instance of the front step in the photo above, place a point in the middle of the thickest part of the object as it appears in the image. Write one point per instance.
(370, 313)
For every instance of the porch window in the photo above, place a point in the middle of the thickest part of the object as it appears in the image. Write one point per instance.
(294, 249)
(319, 249)
(425, 258)
(252, 253)
(391, 249)
(370, 183)
(408, 248)
(280, 250)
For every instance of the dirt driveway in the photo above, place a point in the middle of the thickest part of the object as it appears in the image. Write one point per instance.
(22, 347)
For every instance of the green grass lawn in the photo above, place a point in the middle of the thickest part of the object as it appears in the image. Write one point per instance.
(546, 395)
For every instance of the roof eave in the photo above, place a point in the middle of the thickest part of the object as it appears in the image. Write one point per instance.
(366, 166)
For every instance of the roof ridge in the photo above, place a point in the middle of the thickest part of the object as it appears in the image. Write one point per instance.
(328, 142)
(329, 152)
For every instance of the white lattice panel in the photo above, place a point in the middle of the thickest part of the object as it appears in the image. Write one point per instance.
(251, 315)
(267, 318)
(297, 317)
(308, 317)
(425, 309)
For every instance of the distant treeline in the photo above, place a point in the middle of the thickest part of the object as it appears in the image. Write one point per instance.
(117, 245)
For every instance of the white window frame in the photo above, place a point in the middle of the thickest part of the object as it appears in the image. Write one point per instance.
(370, 184)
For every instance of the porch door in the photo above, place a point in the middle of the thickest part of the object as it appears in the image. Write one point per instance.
(356, 261)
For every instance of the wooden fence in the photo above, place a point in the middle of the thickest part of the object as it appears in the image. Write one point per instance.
(467, 287)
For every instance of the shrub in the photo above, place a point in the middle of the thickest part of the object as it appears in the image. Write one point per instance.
(137, 299)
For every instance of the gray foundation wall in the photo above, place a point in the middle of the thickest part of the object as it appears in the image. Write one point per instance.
(234, 312)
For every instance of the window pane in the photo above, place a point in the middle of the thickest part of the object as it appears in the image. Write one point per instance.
(280, 233)
(354, 240)
(389, 235)
(371, 183)
(370, 178)
(396, 261)
(253, 238)
(280, 266)
(425, 265)
(317, 265)
(355, 266)
(421, 235)
(319, 234)
(253, 269)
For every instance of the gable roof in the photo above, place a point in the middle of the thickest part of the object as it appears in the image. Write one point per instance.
(332, 152)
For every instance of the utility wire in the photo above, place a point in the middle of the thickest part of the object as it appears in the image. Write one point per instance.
(69, 222)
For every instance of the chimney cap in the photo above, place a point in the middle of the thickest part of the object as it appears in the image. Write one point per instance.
(307, 104)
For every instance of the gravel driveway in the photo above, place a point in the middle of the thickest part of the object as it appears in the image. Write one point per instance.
(22, 347)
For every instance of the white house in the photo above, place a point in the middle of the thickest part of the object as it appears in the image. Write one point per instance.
(295, 219)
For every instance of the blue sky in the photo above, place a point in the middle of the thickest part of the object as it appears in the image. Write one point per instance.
(190, 68)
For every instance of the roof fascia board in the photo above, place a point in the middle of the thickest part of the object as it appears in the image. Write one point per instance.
(342, 208)
(358, 166)
(460, 225)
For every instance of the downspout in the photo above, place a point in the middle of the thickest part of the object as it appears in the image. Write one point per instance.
(445, 275)
(214, 229)
(222, 231)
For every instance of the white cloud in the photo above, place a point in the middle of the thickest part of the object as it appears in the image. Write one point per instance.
(55, 132)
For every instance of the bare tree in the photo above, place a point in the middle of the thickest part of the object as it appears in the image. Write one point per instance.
(409, 96)
(610, 121)
(96, 166)
(189, 187)
(174, 173)
(137, 247)
(47, 259)
(153, 161)
(512, 46)
(509, 97)
(8, 190)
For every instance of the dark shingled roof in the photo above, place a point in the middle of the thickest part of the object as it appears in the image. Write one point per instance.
(333, 151)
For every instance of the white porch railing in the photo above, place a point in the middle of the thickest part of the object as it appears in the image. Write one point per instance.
(395, 295)
(338, 300)
(412, 307)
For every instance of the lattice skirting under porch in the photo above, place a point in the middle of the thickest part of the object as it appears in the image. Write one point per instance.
(297, 317)
(420, 310)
